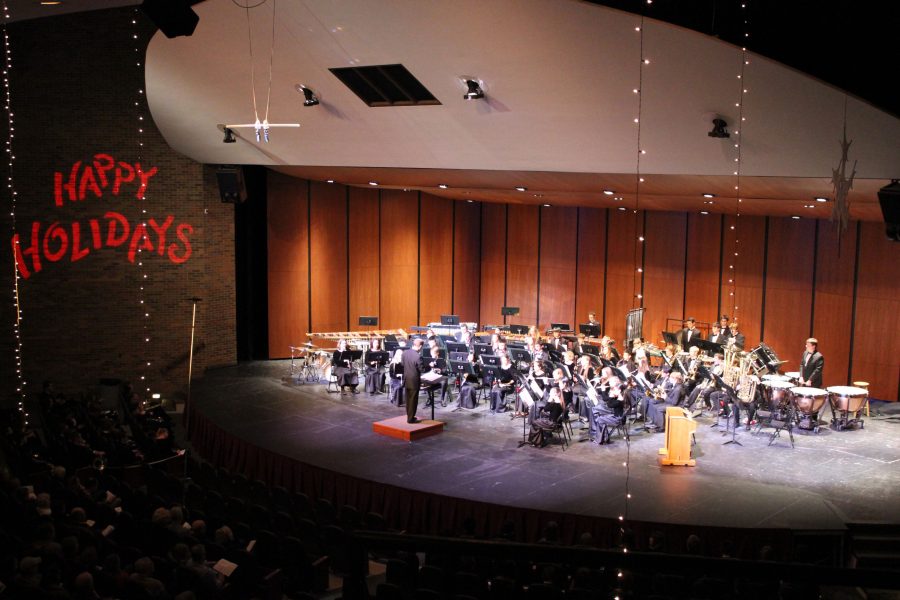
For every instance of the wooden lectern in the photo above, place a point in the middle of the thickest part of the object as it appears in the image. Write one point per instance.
(679, 427)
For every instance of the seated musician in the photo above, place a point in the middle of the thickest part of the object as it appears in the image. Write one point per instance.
(547, 418)
(542, 380)
(504, 385)
(609, 345)
(557, 342)
(395, 372)
(374, 368)
(343, 369)
(736, 336)
(656, 410)
(705, 389)
(462, 333)
(435, 364)
(468, 387)
(585, 371)
(495, 341)
(692, 364)
(467, 338)
(627, 361)
(608, 413)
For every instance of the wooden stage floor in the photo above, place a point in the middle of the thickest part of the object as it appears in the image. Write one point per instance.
(826, 481)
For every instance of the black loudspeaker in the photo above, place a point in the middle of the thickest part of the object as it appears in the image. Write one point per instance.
(889, 198)
(231, 184)
(173, 17)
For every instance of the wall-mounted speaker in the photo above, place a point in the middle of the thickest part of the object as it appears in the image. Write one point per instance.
(231, 184)
(889, 198)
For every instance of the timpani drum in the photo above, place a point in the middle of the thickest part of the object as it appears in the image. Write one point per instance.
(808, 401)
(777, 396)
(775, 377)
(847, 404)
(793, 376)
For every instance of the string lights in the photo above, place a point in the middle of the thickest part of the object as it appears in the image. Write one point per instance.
(638, 277)
(21, 382)
(143, 277)
(743, 90)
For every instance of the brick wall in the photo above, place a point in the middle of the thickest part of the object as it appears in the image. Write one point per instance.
(75, 83)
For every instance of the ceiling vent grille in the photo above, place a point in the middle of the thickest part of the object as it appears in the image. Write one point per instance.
(385, 85)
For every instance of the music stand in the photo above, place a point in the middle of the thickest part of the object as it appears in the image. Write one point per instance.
(670, 338)
(592, 350)
(391, 345)
(561, 326)
(459, 356)
(490, 359)
(449, 320)
(520, 355)
(589, 330)
(457, 347)
(446, 338)
(711, 348)
(732, 396)
(518, 329)
(480, 349)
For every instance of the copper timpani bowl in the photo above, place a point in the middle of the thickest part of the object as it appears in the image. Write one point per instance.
(847, 399)
(808, 400)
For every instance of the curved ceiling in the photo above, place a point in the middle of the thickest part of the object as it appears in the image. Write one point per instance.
(559, 78)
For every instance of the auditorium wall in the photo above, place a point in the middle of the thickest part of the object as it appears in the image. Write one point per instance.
(338, 252)
(107, 269)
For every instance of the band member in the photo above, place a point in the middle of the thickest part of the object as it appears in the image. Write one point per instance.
(557, 342)
(374, 368)
(705, 389)
(547, 418)
(723, 326)
(627, 361)
(412, 372)
(811, 364)
(564, 384)
(608, 413)
(343, 368)
(436, 364)
(468, 387)
(690, 333)
(585, 372)
(462, 333)
(656, 410)
(716, 336)
(592, 318)
(737, 336)
(467, 338)
(503, 385)
(609, 345)
(395, 378)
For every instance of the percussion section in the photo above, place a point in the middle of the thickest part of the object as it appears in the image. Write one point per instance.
(847, 406)
(808, 401)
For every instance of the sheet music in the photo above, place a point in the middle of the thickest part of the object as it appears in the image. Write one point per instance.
(432, 376)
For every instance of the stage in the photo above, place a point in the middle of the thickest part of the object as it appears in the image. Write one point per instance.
(827, 480)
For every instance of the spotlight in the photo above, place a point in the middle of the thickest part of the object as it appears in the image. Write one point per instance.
(310, 98)
(475, 92)
(720, 129)
(229, 137)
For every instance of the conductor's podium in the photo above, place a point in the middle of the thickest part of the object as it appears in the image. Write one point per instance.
(679, 428)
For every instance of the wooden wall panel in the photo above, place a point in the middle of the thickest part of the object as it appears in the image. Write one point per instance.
(288, 263)
(620, 272)
(876, 345)
(493, 263)
(666, 244)
(746, 305)
(704, 241)
(467, 261)
(522, 263)
(399, 258)
(364, 255)
(789, 281)
(833, 310)
(328, 256)
(591, 263)
(435, 258)
(557, 272)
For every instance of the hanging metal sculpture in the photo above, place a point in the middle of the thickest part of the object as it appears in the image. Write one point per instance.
(840, 212)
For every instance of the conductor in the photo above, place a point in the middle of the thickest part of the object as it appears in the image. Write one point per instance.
(412, 372)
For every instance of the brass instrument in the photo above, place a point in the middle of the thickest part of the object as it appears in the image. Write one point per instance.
(746, 390)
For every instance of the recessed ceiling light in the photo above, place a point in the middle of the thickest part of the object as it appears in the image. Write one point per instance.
(373, 183)
(443, 186)
(608, 192)
(521, 188)
(795, 217)
(821, 199)
(709, 195)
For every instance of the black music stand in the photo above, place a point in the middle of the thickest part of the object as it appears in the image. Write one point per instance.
(711, 348)
(449, 320)
(670, 338)
(732, 396)
(459, 356)
(520, 355)
(518, 329)
(480, 349)
(490, 359)
(457, 347)
(561, 326)
(589, 330)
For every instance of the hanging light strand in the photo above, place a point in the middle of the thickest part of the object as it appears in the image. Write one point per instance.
(739, 147)
(21, 383)
(638, 259)
(143, 358)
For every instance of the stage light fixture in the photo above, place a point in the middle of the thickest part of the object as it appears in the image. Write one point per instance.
(229, 136)
(720, 129)
(475, 92)
(310, 98)
(821, 199)
(709, 195)
(608, 192)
